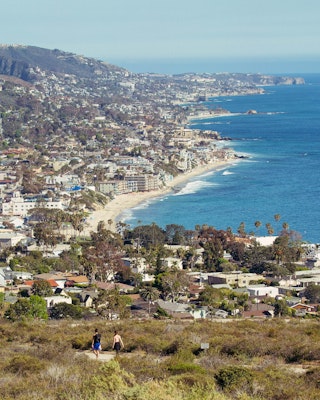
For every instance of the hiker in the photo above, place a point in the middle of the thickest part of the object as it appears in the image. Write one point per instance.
(117, 342)
(96, 343)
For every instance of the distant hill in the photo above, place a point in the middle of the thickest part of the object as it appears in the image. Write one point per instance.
(51, 93)
(27, 62)
(24, 61)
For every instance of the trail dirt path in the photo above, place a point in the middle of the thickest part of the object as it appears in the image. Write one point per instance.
(104, 356)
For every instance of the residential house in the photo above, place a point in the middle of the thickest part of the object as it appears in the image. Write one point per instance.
(307, 273)
(217, 313)
(10, 238)
(258, 310)
(286, 290)
(262, 291)
(139, 266)
(303, 309)
(178, 310)
(87, 298)
(234, 278)
(312, 262)
(59, 278)
(141, 308)
(291, 301)
(312, 280)
(195, 290)
(123, 288)
(199, 312)
(6, 276)
(21, 275)
(79, 280)
(68, 181)
(53, 300)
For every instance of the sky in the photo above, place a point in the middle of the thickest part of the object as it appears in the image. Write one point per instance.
(173, 36)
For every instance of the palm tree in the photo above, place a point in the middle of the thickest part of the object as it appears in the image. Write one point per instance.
(241, 229)
(257, 224)
(277, 217)
(149, 294)
(285, 226)
(270, 230)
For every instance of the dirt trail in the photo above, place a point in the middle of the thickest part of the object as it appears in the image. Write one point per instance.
(104, 356)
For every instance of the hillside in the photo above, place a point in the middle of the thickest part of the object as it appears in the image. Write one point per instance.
(265, 360)
(53, 94)
(27, 62)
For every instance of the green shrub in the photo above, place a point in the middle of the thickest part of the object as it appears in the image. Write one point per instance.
(150, 344)
(144, 368)
(110, 378)
(65, 310)
(183, 367)
(313, 377)
(193, 379)
(232, 377)
(25, 365)
(81, 342)
(172, 348)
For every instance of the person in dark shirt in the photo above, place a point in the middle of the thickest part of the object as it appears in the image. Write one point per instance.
(96, 343)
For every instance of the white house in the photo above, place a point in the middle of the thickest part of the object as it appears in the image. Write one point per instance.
(22, 275)
(53, 300)
(6, 276)
(262, 290)
(313, 280)
(10, 238)
(138, 265)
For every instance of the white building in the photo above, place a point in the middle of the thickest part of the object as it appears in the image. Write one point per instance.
(265, 240)
(17, 205)
(53, 300)
(10, 238)
(262, 290)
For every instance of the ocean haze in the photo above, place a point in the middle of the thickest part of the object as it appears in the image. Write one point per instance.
(271, 65)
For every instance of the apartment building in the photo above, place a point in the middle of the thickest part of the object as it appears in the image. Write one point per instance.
(20, 206)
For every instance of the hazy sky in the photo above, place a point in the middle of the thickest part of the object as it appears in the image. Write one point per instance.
(154, 35)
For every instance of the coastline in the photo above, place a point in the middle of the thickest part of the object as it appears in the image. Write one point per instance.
(117, 206)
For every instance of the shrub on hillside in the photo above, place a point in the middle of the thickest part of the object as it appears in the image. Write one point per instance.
(65, 310)
(183, 367)
(233, 377)
(24, 364)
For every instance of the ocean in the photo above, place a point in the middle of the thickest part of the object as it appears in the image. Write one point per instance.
(280, 176)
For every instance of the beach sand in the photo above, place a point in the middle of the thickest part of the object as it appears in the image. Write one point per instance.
(124, 202)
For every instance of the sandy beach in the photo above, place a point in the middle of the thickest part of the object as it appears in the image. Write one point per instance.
(115, 207)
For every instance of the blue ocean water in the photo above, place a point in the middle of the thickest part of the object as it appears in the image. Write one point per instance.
(281, 175)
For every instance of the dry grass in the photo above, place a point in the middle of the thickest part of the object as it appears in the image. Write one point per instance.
(270, 359)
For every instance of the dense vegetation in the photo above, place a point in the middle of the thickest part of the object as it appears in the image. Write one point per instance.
(100, 257)
(271, 359)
